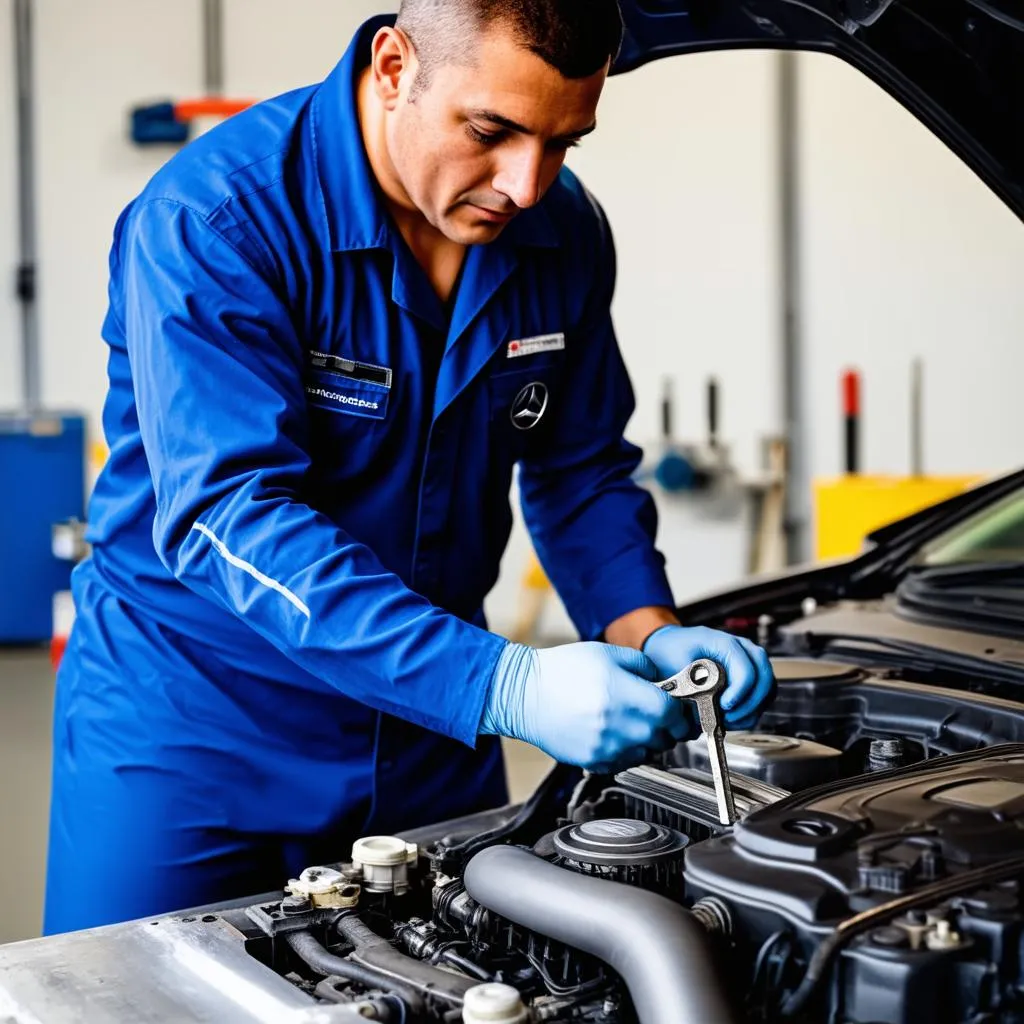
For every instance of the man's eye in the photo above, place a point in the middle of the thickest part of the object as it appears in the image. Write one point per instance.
(484, 138)
(564, 145)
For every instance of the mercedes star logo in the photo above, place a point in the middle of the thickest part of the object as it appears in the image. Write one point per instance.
(530, 405)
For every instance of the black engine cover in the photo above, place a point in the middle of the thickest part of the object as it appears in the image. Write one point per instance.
(793, 873)
(823, 855)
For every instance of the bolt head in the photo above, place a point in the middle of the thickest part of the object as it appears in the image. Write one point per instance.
(892, 938)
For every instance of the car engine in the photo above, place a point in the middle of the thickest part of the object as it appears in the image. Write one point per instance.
(873, 876)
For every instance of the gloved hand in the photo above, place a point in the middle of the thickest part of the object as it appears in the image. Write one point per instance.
(587, 704)
(751, 679)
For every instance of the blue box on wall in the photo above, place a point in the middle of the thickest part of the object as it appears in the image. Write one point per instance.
(42, 483)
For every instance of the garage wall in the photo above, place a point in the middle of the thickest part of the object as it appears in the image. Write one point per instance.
(906, 253)
(10, 364)
(94, 61)
(271, 47)
(684, 164)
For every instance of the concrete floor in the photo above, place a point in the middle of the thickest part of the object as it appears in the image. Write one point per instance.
(26, 700)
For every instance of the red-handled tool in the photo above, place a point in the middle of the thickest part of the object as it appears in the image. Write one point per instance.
(851, 387)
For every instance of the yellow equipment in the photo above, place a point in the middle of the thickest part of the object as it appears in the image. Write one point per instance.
(848, 508)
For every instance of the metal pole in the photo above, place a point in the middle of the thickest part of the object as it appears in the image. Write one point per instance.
(213, 47)
(798, 484)
(917, 418)
(26, 270)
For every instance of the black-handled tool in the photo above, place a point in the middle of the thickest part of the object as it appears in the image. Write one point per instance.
(712, 412)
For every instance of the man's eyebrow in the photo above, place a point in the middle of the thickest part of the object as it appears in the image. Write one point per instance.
(515, 126)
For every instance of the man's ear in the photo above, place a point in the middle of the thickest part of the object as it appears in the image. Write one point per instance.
(393, 62)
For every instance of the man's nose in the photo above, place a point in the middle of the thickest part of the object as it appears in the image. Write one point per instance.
(519, 178)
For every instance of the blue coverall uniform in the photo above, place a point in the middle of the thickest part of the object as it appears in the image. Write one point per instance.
(280, 642)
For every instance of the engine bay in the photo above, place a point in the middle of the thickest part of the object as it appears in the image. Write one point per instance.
(874, 875)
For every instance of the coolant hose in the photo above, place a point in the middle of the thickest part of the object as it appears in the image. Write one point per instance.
(380, 955)
(658, 947)
(313, 953)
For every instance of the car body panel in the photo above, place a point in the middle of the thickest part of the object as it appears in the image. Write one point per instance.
(957, 65)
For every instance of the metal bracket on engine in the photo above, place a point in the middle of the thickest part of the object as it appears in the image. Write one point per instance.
(320, 895)
(275, 919)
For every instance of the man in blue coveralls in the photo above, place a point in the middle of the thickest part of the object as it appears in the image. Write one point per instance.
(336, 324)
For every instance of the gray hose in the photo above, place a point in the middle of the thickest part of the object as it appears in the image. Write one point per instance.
(319, 959)
(379, 955)
(657, 947)
(460, 963)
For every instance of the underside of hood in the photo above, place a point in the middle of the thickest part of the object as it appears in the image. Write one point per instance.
(957, 65)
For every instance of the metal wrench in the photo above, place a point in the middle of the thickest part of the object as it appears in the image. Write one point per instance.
(701, 682)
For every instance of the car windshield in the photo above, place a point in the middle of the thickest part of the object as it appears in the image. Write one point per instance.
(994, 535)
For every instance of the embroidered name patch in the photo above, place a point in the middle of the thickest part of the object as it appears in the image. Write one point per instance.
(533, 346)
(339, 395)
(340, 385)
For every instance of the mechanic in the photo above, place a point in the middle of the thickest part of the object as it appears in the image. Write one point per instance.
(336, 323)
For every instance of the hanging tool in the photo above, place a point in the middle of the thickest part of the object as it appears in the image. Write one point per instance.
(25, 290)
(851, 420)
(712, 413)
(917, 418)
(702, 681)
(691, 467)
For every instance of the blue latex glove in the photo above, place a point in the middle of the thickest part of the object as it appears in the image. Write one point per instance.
(586, 704)
(751, 679)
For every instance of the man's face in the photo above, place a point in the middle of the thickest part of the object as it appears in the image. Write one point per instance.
(485, 141)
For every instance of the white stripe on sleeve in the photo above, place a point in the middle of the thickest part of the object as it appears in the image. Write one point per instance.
(239, 563)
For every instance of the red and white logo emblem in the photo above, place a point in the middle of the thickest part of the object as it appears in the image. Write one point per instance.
(532, 346)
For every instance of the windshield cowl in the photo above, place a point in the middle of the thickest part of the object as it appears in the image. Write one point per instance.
(968, 595)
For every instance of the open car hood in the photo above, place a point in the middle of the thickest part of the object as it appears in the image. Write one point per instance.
(957, 65)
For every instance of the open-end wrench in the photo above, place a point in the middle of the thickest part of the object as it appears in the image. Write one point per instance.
(701, 682)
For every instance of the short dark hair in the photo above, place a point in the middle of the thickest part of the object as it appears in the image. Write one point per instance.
(576, 37)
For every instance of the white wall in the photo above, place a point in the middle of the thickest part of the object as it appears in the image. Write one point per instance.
(94, 62)
(684, 164)
(271, 47)
(906, 253)
(10, 362)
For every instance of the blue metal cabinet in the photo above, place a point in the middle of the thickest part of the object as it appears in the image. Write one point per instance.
(42, 482)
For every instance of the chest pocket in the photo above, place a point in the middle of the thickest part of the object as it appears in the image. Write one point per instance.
(347, 386)
(523, 400)
(348, 403)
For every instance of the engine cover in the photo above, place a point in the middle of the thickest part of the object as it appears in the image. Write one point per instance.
(804, 874)
(823, 855)
(782, 761)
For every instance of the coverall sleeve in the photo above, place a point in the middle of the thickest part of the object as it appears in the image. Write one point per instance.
(592, 526)
(218, 373)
